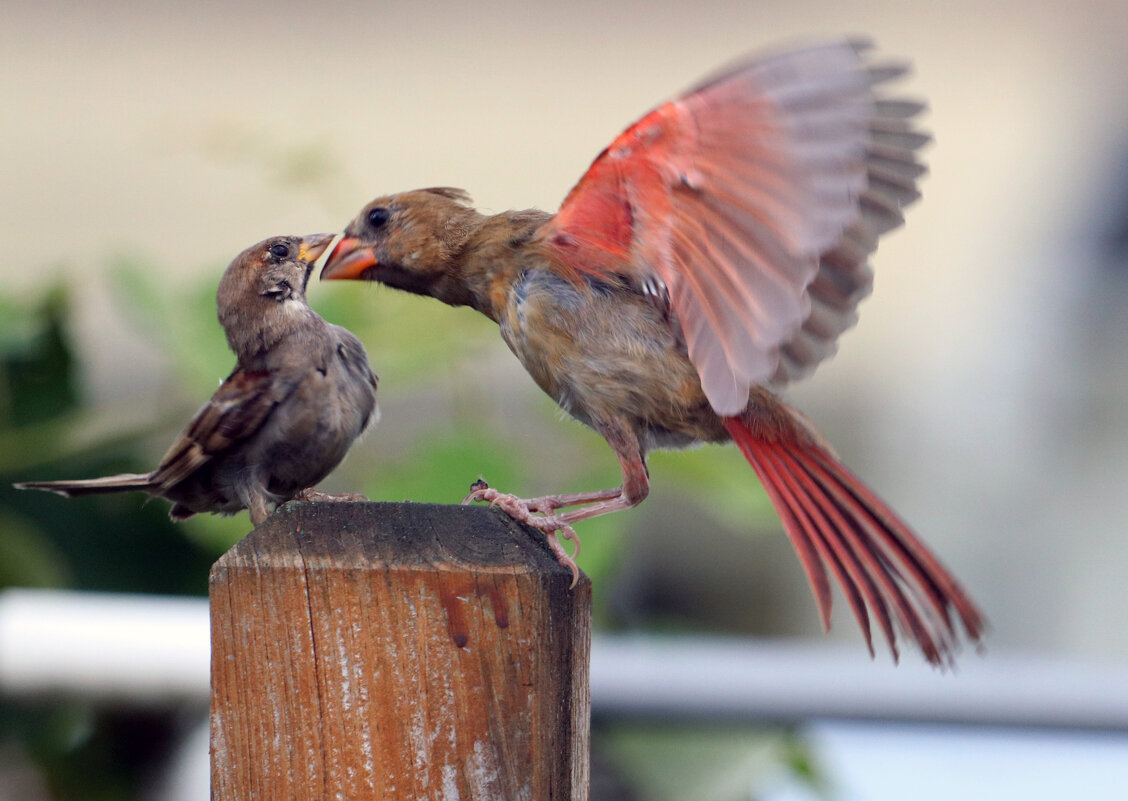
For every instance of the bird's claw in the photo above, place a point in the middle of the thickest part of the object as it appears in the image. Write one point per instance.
(565, 532)
(311, 494)
(478, 491)
(533, 514)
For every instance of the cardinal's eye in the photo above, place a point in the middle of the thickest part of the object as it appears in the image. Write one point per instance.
(378, 216)
(279, 251)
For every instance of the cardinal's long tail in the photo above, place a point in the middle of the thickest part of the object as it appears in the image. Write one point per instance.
(124, 482)
(835, 521)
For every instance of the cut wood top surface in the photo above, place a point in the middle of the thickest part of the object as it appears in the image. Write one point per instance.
(394, 536)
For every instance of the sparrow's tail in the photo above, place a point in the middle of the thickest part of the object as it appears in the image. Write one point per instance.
(836, 521)
(124, 482)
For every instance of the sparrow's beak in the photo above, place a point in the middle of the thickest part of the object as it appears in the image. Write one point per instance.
(348, 260)
(313, 246)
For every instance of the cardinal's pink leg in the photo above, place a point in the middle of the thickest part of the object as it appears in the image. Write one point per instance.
(538, 512)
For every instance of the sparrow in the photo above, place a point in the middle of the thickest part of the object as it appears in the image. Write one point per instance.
(301, 393)
(710, 255)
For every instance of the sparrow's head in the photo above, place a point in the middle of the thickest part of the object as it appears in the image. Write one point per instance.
(409, 241)
(264, 284)
(275, 270)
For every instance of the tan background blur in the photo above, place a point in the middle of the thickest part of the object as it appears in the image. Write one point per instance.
(984, 390)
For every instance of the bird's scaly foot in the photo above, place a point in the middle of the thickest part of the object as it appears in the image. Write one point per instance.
(311, 494)
(534, 512)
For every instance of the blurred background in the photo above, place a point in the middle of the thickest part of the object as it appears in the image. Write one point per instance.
(984, 392)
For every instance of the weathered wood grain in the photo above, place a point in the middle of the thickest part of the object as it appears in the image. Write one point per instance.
(397, 651)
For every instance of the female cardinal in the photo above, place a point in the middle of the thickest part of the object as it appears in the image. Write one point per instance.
(301, 393)
(714, 251)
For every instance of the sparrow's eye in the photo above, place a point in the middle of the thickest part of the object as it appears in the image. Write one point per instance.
(378, 216)
(279, 251)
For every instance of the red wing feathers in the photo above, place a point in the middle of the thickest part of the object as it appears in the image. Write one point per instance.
(834, 520)
(844, 276)
(729, 195)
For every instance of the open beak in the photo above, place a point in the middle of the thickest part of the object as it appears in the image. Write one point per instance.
(348, 260)
(313, 246)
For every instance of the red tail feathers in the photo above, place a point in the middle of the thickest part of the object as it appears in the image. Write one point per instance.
(834, 520)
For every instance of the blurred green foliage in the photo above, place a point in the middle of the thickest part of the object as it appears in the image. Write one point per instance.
(111, 543)
(118, 539)
(37, 363)
(710, 762)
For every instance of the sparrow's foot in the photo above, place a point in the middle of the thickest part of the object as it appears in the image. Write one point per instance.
(311, 494)
(526, 511)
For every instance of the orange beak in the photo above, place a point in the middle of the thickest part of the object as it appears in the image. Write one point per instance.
(313, 246)
(348, 260)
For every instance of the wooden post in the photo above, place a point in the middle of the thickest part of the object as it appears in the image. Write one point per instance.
(397, 651)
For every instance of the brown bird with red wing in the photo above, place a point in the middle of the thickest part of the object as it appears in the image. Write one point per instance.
(301, 393)
(711, 254)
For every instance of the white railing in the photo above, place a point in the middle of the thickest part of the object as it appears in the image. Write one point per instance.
(138, 649)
